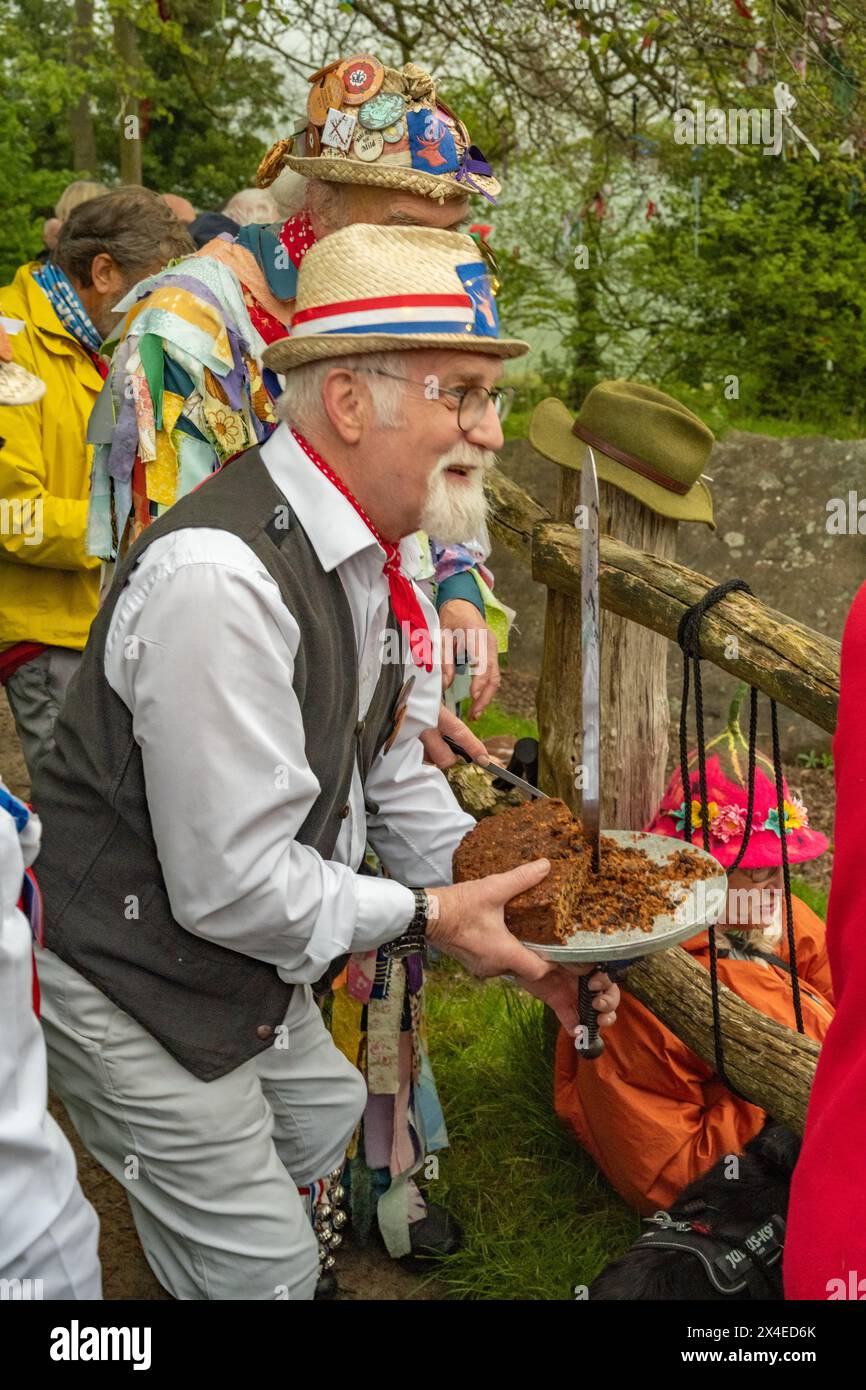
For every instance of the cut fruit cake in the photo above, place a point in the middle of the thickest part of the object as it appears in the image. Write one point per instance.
(540, 829)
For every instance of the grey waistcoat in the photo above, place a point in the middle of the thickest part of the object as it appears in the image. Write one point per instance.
(107, 912)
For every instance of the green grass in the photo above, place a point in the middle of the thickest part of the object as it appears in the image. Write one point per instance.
(537, 1216)
(813, 897)
(496, 720)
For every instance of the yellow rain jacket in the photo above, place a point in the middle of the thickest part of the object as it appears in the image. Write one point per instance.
(48, 585)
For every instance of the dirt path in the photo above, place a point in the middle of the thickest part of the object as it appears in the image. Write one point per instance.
(365, 1274)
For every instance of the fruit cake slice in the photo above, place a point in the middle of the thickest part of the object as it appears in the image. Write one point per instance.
(540, 829)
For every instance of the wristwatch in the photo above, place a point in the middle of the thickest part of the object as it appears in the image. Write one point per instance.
(414, 938)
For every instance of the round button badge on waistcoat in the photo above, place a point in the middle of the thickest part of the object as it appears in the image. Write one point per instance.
(343, 811)
(264, 1031)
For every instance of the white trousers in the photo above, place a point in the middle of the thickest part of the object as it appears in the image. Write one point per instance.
(62, 1263)
(210, 1167)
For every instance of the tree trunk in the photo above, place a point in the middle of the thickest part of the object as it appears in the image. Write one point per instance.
(772, 1066)
(126, 42)
(80, 115)
(635, 713)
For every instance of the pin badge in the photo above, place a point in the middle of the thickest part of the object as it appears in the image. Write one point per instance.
(362, 76)
(382, 110)
(368, 145)
(339, 129)
(332, 89)
(394, 133)
(317, 107)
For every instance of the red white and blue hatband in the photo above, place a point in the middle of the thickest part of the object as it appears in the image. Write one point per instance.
(372, 289)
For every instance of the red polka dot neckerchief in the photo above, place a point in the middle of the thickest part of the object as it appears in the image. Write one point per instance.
(404, 599)
(297, 236)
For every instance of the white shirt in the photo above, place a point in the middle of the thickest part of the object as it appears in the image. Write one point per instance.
(37, 1166)
(201, 650)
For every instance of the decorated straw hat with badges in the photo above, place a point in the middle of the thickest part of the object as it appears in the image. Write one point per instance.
(371, 124)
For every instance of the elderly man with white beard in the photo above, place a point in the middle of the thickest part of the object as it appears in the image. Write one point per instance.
(232, 740)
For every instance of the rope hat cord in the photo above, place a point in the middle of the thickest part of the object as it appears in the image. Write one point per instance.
(689, 640)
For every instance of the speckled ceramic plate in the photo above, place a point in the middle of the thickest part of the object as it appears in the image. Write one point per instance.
(702, 903)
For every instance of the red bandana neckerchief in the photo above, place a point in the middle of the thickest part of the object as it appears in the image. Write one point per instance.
(297, 236)
(404, 600)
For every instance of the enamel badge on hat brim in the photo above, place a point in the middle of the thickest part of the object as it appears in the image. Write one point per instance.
(361, 76)
(380, 111)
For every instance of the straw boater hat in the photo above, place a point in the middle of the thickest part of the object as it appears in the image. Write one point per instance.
(380, 289)
(368, 123)
(644, 442)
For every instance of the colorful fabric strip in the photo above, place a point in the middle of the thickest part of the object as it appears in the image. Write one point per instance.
(31, 905)
(19, 812)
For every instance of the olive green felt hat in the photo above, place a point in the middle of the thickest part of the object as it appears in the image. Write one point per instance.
(644, 442)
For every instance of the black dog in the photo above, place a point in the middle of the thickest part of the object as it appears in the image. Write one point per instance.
(723, 1236)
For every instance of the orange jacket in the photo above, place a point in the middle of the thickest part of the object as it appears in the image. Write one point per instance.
(651, 1114)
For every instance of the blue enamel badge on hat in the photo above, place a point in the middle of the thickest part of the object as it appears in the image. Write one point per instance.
(431, 144)
(476, 282)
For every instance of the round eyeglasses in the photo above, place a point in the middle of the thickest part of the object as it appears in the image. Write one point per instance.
(471, 402)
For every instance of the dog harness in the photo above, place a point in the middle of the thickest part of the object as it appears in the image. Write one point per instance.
(733, 1264)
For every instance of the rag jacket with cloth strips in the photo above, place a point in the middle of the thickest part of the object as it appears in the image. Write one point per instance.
(826, 1239)
(186, 392)
(652, 1114)
(49, 586)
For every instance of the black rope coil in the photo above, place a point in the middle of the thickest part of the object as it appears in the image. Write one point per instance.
(689, 640)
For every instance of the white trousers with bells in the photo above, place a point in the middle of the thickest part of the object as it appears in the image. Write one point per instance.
(210, 1167)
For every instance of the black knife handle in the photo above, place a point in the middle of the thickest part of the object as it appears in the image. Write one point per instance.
(588, 1042)
(458, 749)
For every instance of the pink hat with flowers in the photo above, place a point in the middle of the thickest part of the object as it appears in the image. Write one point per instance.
(728, 803)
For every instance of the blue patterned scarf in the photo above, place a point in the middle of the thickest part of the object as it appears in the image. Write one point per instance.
(67, 306)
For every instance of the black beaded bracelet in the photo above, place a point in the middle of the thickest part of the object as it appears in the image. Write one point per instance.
(414, 938)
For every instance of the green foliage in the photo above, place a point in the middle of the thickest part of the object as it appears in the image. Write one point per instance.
(776, 296)
(207, 95)
(815, 759)
(212, 94)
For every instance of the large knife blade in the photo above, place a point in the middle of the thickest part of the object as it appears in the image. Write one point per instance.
(590, 659)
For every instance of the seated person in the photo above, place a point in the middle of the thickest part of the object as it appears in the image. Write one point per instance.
(651, 1114)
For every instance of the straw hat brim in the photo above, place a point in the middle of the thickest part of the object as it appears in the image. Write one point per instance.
(442, 187)
(550, 432)
(286, 353)
(18, 386)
